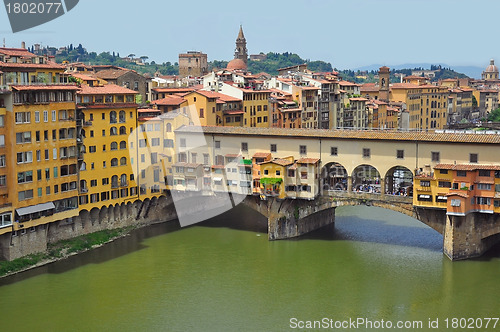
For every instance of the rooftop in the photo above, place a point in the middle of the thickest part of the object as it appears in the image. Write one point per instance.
(456, 137)
(105, 90)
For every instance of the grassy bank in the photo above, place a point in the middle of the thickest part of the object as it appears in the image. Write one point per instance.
(62, 249)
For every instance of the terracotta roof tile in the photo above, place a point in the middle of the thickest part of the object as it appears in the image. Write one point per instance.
(307, 161)
(262, 155)
(44, 87)
(104, 90)
(278, 161)
(48, 65)
(18, 52)
(352, 134)
(169, 101)
(467, 167)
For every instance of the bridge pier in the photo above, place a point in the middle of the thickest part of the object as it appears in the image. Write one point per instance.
(464, 237)
(470, 236)
(289, 226)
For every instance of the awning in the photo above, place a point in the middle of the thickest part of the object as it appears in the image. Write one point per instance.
(35, 208)
(217, 179)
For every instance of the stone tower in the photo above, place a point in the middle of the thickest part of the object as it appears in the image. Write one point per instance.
(241, 47)
(384, 76)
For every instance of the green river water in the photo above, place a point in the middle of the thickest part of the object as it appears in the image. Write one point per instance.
(224, 275)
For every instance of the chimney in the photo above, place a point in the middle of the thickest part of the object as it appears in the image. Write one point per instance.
(23, 45)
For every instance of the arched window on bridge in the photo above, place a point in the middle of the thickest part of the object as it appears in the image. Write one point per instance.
(334, 177)
(366, 178)
(399, 181)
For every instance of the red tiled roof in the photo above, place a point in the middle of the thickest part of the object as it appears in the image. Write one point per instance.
(467, 167)
(347, 83)
(105, 90)
(232, 155)
(278, 161)
(262, 155)
(169, 100)
(18, 52)
(307, 161)
(44, 87)
(405, 86)
(459, 138)
(111, 73)
(172, 90)
(83, 77)
(48, 65)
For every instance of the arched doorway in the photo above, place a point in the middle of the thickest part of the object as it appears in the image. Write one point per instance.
(366, 178)
(333, 177)
(399, 181)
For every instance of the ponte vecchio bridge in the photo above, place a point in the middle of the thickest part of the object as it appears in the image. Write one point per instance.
(296, 178)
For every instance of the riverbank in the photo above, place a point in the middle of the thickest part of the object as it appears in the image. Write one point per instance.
(62, 250)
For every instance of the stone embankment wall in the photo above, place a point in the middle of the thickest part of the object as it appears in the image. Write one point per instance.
(138, 213)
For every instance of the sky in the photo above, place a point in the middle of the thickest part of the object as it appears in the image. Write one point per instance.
(348, 33)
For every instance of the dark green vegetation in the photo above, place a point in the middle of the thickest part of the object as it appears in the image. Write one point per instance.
(494, 116)
(80, 54)
(275, 61)
(371, 76)
(270, 65)
(62, 248)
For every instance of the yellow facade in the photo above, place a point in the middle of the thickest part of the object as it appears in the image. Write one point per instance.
(434, 107)
(109, 147)
(41, 155)
(256, 107)
(205, 104)
(157, 152)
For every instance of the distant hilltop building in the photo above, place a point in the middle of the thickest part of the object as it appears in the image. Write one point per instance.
(426, 73)
(258, 57)
(193, 64)
(491, 72)
(240, 60)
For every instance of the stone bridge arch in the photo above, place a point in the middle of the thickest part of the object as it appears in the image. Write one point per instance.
(288, 218)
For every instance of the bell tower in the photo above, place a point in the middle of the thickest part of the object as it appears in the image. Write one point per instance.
(384, 76)
(241, 47)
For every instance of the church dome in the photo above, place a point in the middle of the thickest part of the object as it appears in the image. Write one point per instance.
(236, 64)
(491, 68)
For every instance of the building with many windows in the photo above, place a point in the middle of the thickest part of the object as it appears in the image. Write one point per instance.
(108, 146)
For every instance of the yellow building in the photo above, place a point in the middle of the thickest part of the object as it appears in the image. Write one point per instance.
(434, 105)
(205, 105)
(272, 177)
(157, 148)
(256, 108)
(307, 99)
(109, 146)
(40, 160)
(410, 94)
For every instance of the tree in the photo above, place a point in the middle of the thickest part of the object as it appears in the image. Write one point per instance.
(494, 116)
(131, 55)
